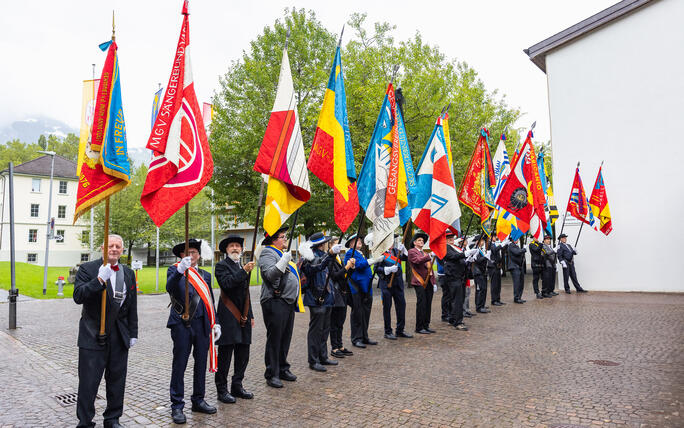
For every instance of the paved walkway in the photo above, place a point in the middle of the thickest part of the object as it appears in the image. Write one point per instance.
(522, 365)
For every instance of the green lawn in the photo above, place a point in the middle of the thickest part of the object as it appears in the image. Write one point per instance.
(29, 280)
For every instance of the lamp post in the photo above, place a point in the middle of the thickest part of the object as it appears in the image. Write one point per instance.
(48, 235)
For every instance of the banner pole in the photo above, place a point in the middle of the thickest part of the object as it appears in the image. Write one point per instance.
(102, 337)
(578, 234)
(403, 239)
(186, 312)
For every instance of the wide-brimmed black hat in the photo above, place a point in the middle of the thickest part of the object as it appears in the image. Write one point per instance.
(450, 232)
(318, 238)
(268, 239)
(351, 239)
(180, 248)
(419, 235)
(547, 236)
(562, 235)
(231, 238)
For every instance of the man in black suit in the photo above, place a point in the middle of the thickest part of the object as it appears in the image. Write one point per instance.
(566, 255)
(236, 325)
(516, 262)
(194, 335)
(109, 353)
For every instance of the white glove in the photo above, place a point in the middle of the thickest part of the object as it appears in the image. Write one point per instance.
(184, 264)
(556, 248)
(284, 261)
(337, 248)
(373, 261)
(105, 272)
(576, 253)
(488, 254)
(434, 288)
(471, 252)
(565, 265)
(402, 249)
(391, 269)
(217, 331)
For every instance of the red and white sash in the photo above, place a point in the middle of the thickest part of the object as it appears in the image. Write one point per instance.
(204, 292)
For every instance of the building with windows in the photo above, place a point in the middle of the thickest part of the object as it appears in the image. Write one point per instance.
(71, 243)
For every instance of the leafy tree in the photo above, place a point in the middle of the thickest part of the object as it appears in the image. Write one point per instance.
(19, 152)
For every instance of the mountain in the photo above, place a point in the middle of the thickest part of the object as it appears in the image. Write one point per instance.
(28, 130)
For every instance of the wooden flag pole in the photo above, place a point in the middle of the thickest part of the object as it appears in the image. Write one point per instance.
(102, 337)
(566, 211)
(403, 239)
(294, 224)
(186, 312)
(245, 307)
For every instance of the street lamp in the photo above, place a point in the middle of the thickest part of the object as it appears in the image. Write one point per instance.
(48, 235)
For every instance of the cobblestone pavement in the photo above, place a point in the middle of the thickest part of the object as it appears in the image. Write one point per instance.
(521, 365)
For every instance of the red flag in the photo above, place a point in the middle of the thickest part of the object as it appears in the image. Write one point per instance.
(598, 203)
(577, 203)
(479, 176)
(181, 164)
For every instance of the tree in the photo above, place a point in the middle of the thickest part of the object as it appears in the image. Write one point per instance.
(428, 79)
(19, 152)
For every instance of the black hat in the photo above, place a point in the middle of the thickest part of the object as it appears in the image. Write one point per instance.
(562, 235)
(192, 243)
(419, 235)
(231, 238)
(547, 236)
(268, 239)
(318, 238)
(450, 232)
(351, 239)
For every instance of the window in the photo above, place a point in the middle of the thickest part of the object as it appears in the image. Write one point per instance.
(35, 185)
(85, 257)
(61, 211)
(31, 258)
(85, 237)
(59, 235)
(34, 210)
(33, 235)
(62, 187)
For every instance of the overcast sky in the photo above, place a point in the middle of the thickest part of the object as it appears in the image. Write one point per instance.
(49, 46)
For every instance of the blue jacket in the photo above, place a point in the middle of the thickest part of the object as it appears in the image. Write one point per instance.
(361, 274)
(316, 272)
(175, 286)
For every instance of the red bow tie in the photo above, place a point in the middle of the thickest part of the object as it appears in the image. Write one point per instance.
(115, 268)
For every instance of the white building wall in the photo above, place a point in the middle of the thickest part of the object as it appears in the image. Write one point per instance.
(617, 94)
(65, 253)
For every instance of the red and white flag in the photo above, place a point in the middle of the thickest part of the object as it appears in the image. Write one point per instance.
(181, 163)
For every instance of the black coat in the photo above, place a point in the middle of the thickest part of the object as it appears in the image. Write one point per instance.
(175, 286)
(537, 260)
(383, 279)
(495, 256)
(516, 256)
(337, 274)
(565, 253)
(479, 265)
(234, 283)
(118, 319)
(454, 265)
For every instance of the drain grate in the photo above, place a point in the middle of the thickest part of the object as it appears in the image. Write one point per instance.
(604, 362)
(66, 400)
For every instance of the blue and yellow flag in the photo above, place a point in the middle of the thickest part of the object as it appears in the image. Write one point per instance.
(155, 105)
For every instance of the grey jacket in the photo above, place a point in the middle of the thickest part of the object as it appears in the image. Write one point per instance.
(272, 277)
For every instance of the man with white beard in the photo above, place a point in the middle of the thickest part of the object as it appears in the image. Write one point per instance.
(235, 316)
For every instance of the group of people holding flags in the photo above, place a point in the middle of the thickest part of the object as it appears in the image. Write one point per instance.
(332, 273)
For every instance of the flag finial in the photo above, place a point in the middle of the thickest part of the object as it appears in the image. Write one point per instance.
(339, 43)
(394, 72)
(287, 36)
(113, 28)
(533, 125)
(447, 109)
(185, 8)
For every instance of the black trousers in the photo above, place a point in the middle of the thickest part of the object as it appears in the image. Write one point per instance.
(447, 298)
(360, 316)
(518, 282)
(388, 295)
(480, 291)
(185, 340)
(495, 281)
(337, 317)
(317, 337)
(536, 275)
(225, 354)
(423, 306)
(457, 291)
(548, 280)
(569, 272)
(279, 321)
(112, 360)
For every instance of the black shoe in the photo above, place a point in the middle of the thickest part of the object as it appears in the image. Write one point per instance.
(370, 342)
(337, 353)
(497, 304)
(518, 301)
(224, 397)
(423, 331)
(501, 303)
(445, 319)
(317, 367)
(274, 382)
(467, 315)
(553, 293)
(390, 336)
(568, 292)
(461, 327)
(112, 424)
(178, 416)
(430, 330)
(545, 296)
(483, 311)
(359, 344)
(203, 407)
(404, 335)
(581, 290)
(329, 362)
(346, 352)
(288, 376)
(240, 392)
